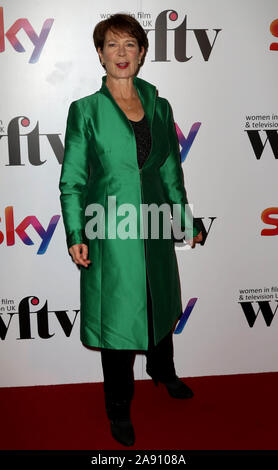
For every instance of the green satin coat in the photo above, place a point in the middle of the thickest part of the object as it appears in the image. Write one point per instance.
(100, 160)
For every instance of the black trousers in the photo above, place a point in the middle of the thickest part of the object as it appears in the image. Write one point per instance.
(118, 364)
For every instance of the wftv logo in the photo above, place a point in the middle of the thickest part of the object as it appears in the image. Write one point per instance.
(25, 317)
(23, 23)
(264, 307)
(20, 230)
(180, 38)
(263, 297)
(188, 309)
(186, 142)
(267, 219)
(262, 129)
(274, 31)
(24, 314)
(14, 137)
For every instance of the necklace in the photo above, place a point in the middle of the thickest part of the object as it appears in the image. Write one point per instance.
(129, 106)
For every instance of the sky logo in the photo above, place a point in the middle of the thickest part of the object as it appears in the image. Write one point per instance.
(23, 23)
(274, 31)
(269, 217)
(20, 230)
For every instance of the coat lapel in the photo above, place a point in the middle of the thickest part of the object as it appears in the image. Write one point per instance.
(147, 94)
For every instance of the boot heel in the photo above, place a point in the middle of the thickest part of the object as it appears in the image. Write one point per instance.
(153, 377)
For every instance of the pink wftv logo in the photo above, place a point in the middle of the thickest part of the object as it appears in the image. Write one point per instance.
(22, 23)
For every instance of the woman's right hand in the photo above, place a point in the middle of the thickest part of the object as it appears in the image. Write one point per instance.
(79, 253)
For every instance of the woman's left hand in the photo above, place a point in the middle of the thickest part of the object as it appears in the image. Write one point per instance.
(195, 240)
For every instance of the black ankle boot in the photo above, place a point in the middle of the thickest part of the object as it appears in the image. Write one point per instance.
(175, 387)
(121, 427)
(123, 432)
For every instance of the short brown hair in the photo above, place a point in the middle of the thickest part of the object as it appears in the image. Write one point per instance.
(121, 23)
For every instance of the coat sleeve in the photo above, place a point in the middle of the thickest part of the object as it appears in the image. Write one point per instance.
(74, 177)
(173, 181)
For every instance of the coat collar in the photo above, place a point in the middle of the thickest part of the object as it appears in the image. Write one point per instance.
(146, 92)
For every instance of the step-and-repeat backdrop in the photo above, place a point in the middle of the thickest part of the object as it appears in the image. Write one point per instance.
(216, 61)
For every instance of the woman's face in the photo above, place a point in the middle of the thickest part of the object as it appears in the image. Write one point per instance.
(120, 55)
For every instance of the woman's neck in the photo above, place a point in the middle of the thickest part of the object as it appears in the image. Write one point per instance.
(121, 88)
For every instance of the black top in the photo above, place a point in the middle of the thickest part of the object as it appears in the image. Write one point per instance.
(143, 139)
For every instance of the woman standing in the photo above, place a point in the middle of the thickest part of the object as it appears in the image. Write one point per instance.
(121, 146)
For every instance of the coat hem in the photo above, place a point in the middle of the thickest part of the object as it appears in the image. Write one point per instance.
(91, 346)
